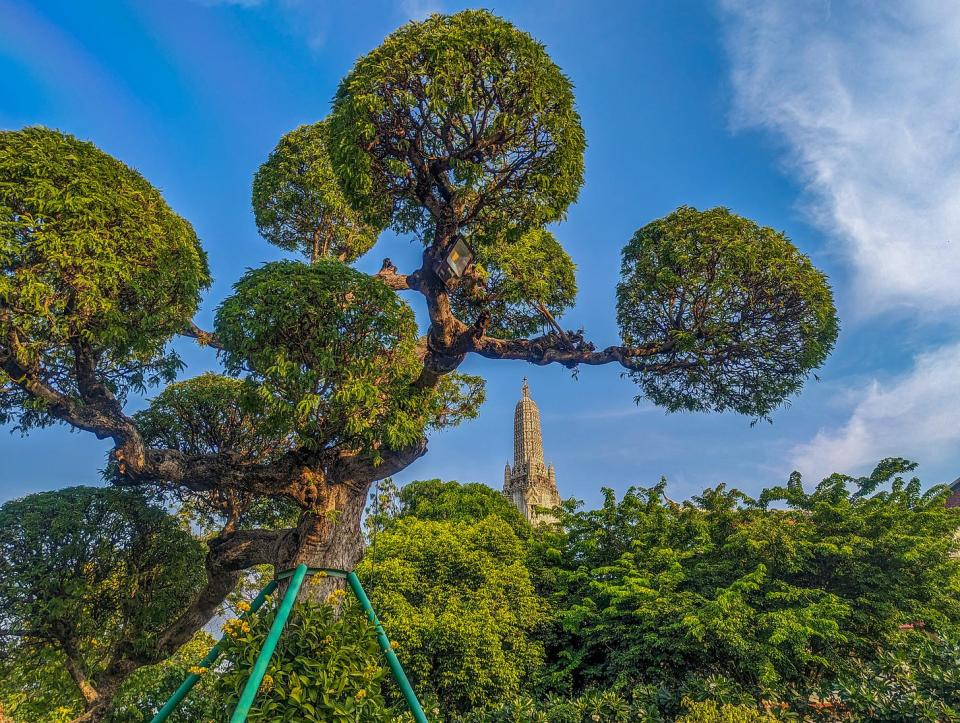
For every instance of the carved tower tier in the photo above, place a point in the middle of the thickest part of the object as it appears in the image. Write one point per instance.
(530, 483)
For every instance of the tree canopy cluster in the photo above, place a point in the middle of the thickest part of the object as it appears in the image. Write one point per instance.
(834, 604)
(458, 129)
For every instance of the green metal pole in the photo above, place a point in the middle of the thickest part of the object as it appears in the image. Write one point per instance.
(384, 641)
(263, 660)
(212, 656)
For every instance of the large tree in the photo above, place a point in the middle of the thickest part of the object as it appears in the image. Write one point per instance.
(456, 129)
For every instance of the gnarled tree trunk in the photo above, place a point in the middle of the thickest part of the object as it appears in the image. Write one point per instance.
(328, 536)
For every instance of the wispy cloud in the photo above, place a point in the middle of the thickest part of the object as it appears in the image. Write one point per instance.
(914, 415)
(865, 96)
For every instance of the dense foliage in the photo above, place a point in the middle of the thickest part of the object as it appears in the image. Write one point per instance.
(36, 688)
(333, 350)
(297, 201)
(769, 600)
(460, 605)
(834, 604)
(521, 283)
(208, 414)
(88, 578)
(720, 608)
(326, 668)
(746, 315)
(97, 271)
(215, 414)
(474, 103)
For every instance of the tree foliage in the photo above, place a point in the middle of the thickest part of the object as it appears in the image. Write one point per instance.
(740, 311)
(36, 688)
(211, 415)
(97, 271)
(770, 599)
(520, 284)
(327, 667)
(92, 577)
(297, 202)
(439, 501)
(333, 350)
(458, 115)
(840, 603)
(460, 606)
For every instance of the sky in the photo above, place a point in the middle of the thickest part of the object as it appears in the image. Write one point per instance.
(835, 122)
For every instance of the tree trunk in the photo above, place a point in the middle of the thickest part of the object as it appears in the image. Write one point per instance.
(98, 708)
(328, 536)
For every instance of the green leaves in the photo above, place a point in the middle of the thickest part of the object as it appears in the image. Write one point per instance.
(332, 351)
(739, 315)
(92, 259)
(210, 414)
(459, 601)
(518, 277)
(773, 603)
(95, 571)
(327, 667)
(460, 119)
(298, 204)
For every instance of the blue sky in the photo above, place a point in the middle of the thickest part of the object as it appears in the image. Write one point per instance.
(835, 122)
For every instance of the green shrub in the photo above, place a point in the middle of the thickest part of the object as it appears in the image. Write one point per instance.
(327, 666)
(710, 711)
(916, 679)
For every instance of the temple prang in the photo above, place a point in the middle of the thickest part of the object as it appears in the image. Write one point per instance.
(531, 483)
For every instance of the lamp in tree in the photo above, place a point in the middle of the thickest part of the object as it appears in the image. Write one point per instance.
(455, 263)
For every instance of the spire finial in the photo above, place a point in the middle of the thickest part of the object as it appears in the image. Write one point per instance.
(526, 389)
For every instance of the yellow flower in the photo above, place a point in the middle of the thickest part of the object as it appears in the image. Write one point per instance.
(197, 670)
(243, 606)
(235, 626)
(361, 694)
(336, 596)
(267, 682)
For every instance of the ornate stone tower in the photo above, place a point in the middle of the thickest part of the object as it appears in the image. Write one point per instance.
(529, 483)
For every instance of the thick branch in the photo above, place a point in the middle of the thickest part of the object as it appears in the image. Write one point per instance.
(351, 467)
(228, 556)
(398, 282)
(551, 349)
(75, 668)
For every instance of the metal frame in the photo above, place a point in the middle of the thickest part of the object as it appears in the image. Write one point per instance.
(296, 577)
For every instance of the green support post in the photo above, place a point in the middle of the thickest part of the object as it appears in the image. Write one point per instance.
(208, 661)
(384, 641)
(260, 667)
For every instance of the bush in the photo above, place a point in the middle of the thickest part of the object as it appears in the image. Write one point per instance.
(916, 679)
(327, 666)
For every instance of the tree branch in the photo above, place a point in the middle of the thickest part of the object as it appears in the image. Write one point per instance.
(398, 282)
(205, 338)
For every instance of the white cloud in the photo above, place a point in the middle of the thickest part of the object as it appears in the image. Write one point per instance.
(865, 95)
(914, 416)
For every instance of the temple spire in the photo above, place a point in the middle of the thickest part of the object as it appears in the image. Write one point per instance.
(530, 483)
(527, 435)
